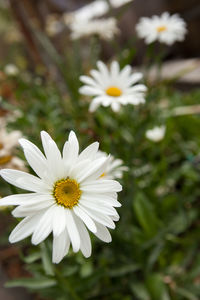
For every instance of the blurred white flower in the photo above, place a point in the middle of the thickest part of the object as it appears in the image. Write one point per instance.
(165, 28)
(104, 28)
(118, 3)
(90, 11)
(8, 143)
(115, 167)
(113, 87)
(67, 196)
(156, 134)
(11, 70)
(93, 10)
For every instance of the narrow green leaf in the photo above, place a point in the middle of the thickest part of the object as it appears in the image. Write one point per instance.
(145, 214)
(32, 257)
(32, 283)
(186, 294)
(46, 260)
(157, 287)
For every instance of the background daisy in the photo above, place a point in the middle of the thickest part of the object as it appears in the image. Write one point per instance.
(113, 87)
(165, 28)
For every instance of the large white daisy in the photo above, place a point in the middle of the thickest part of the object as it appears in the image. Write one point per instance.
(113, 87)
(165, 28)
(67, 197)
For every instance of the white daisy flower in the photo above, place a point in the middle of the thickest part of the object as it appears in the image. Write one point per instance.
(90, 11)
(165, 28)
(114, 87)
(156, 134)
(104, 28)
(115, 167)
(66, 197)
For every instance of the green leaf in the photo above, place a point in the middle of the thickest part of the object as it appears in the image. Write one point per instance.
(31, 283)
(46, 260)
(157, 287)
(145, 214)
(140, 291)
(32, 257)
(186, 294)
(124, 270)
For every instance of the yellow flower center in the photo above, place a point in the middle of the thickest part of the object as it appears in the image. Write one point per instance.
(161, 28)
(67, 192)
(102, 175)
(5, 159)
(113, 91)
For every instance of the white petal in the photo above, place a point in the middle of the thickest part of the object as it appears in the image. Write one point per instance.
(134, 78)
(97, 206)
(61, 245)
(85, 218)
(90, 91)
(17, 199)
(115, 218)
(53, 155)
(24, 180)
(72, 230)
(103, 233)
(88, 80)
(75, 171)
(115, 106)
(101, 186)
(125, 72)
(34, 156)
(95, 103)
(59, 220)
(85, 246)
(94, 170)
(99, 78)
(71, 149)
(107, 199)
(114, 69)
(104, 70)
(44, 226)
(31, 208)
(89, 152)
(24, 228)
(100, 218)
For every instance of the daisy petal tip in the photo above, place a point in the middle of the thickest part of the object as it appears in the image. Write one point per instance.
(109, 240)
(72, 134)
(11, 240)
(21, 141)
(87, 255)
(56, 260)
(44, 134)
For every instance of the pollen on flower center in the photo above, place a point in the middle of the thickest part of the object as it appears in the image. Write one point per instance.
(102, 175)
(113, 91)
(67, 192)
(5, 159)
(161, 28)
